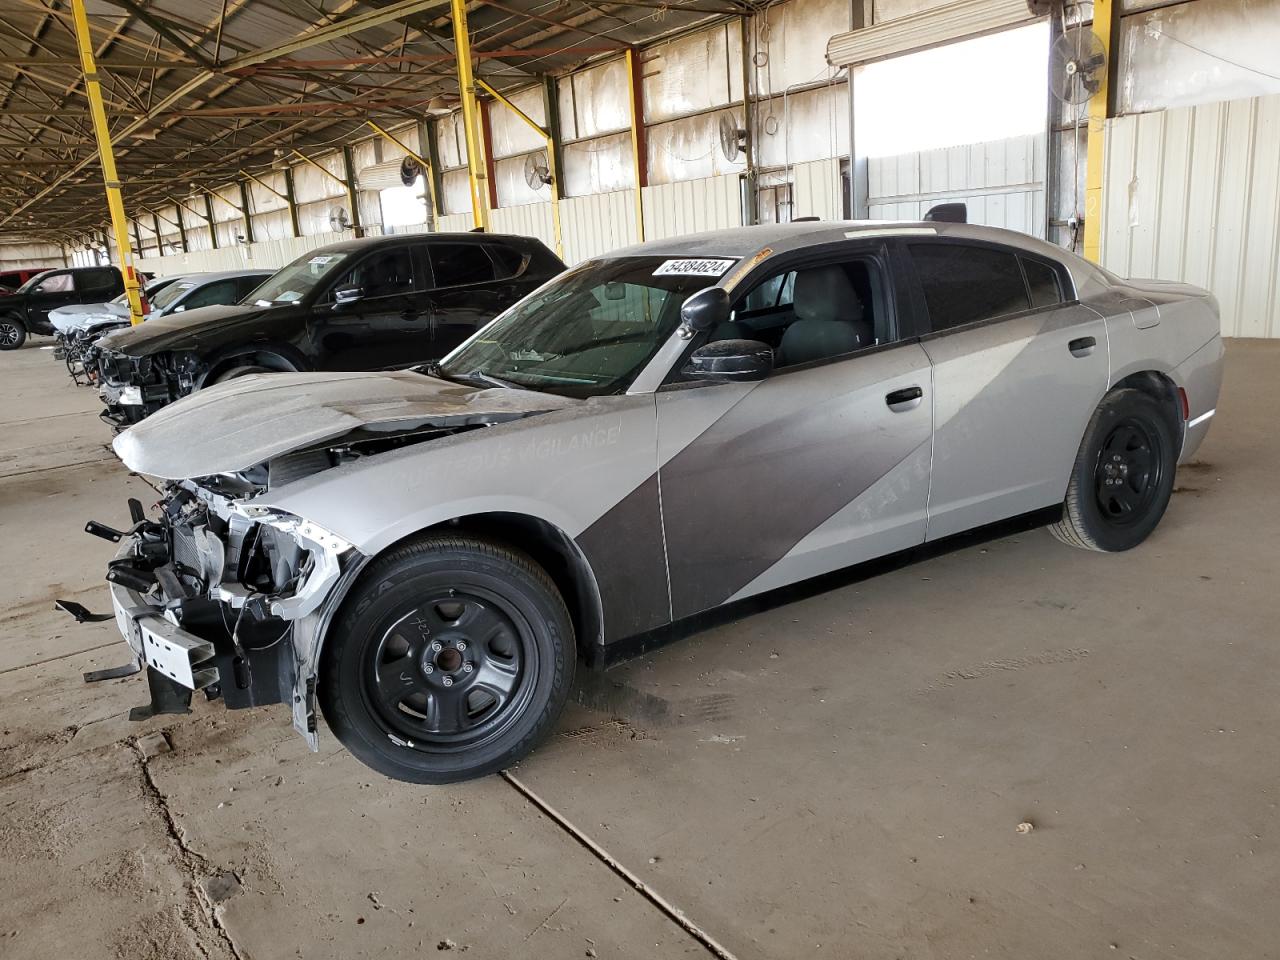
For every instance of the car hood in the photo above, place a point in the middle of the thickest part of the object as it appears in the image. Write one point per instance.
(253, 419)
(189, 330)
(81, 315)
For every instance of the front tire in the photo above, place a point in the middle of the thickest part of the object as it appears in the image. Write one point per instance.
(1123, 475)
(451, 658)
(235, 373)
(13, 333)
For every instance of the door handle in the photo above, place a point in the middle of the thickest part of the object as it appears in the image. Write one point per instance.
(900, 401)
(1082, 346)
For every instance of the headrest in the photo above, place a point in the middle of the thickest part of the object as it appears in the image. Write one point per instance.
(825, 293)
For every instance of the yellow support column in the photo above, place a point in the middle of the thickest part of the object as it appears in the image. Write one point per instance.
(1095, 153)
(639, 160)
(119, 222)
(470, 116)
(545, 133)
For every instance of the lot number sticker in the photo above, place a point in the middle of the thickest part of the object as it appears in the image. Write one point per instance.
(694, 268)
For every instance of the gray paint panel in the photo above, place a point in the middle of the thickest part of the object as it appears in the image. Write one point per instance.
(782, 460)
(1011, 403)
(624, 549)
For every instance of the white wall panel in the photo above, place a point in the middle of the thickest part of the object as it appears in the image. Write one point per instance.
(267, 255)
(455, 223)
(511, 135)
(14, 256)
(1193, 194)
(597, 224)
(809, 125)
(526, 220)
(691, 206)
(689, 148)
(697, 72)
(1001, 182)
(816, 190)
(513, 188)
(602, 165)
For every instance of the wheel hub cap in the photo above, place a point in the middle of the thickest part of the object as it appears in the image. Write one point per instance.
(1128, 472)
(451, 670)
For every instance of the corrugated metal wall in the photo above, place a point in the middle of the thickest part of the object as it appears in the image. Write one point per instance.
(1001, 181)
(596, 224)
(817, 191)
(528, 219)
(1193, 194)
(691, 206)
(267, 255)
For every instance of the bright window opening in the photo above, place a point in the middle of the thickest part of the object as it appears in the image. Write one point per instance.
(989, 88)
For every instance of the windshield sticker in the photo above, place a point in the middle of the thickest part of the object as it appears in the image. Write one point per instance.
(320, 261)
(694, 268)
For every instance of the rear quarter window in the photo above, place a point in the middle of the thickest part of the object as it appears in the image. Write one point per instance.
(506, 261)
(1042, 283)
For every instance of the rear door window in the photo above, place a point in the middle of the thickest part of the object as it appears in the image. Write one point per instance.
(965, 283)
(455, 264)
(96, 281)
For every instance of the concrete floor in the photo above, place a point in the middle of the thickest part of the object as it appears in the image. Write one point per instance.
(842, 776)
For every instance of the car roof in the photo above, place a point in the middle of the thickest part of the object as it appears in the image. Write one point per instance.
(770, 239)
(364, 243)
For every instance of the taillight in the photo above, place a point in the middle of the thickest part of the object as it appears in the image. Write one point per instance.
(146, 306)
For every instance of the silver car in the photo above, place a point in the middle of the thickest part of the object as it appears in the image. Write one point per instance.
(426, 555)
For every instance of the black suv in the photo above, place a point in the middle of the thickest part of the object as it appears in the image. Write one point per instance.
(360, 305)
(27, 311)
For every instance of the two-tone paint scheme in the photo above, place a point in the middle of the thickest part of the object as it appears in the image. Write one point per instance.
(678, 495)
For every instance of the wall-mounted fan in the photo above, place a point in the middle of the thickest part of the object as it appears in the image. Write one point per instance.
(537, 172)
(733, 138)
(1076, 64)
(339, 220)
(410, 171)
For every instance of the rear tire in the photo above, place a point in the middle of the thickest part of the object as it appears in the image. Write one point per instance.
(1123, 475)
(451, 658)
(13, 333)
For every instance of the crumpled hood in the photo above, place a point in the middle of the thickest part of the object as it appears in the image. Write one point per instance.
(236, 425)
(81, 316)
(181, 331)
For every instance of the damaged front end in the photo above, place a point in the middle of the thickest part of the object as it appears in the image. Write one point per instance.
(133, 388)
(224, 597)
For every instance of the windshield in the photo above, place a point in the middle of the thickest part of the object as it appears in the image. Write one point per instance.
(588, 332)
(169, 294)
(294, 282)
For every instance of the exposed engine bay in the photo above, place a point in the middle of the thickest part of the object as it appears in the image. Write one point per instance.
(217, 594)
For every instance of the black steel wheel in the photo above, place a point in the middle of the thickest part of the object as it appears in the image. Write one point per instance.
(13, 333)
(1123, 475)
(450, 658)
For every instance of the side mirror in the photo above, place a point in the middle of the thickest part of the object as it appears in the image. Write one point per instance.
(704, 310)
(347, 295)
(730, 361)
(178, 309)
